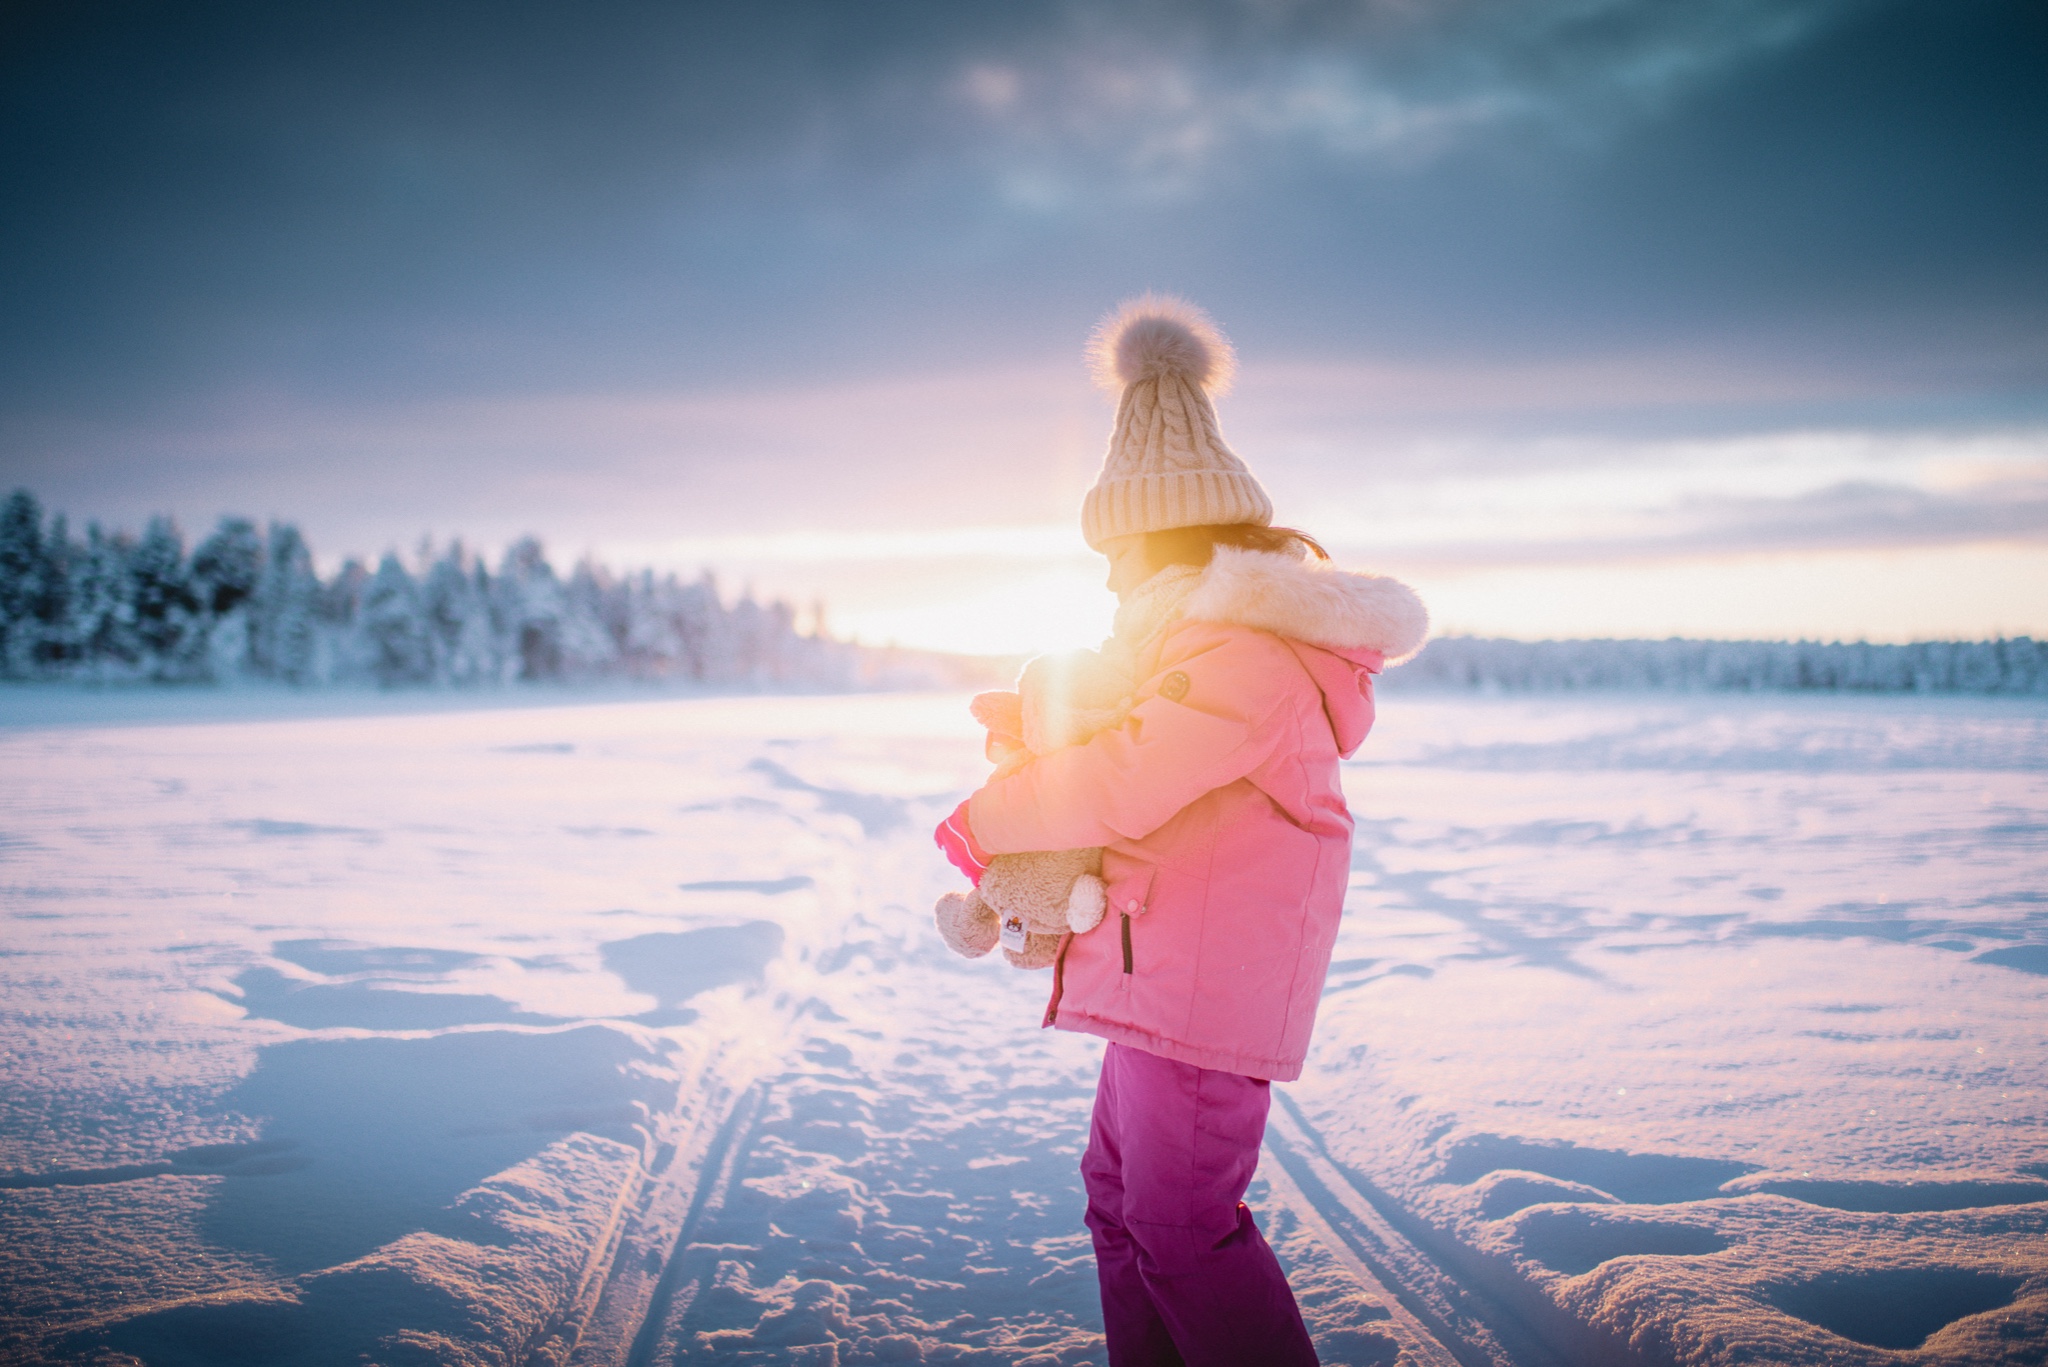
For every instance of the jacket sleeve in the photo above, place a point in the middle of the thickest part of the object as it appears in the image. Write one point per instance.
(1125, 783)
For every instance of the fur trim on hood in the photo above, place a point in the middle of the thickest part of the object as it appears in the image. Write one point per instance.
(1310, 601)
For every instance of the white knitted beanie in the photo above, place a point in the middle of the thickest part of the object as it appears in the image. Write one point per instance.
(1167, 465)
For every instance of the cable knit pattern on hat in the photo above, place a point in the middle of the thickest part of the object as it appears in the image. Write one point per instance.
(1167, 464)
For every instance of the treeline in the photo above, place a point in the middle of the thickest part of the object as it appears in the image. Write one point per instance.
(248, 604)
(2018, 665)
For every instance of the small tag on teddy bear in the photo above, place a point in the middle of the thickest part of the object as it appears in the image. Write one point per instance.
(1013, 934)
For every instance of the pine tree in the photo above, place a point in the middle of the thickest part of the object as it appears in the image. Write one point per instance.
(227, 565)
(395, 634)
(56, 650)
(590, 647)
(342, 652)
(283, 610)
(455, 606)
(705, 631)
(103, 607)
(171, 637)
(649, 644)
(527, 609)
(21, 573)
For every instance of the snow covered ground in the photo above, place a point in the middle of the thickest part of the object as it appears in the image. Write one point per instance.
(1696, 1030)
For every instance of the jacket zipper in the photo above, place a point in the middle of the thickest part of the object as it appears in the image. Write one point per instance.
(1127, 943)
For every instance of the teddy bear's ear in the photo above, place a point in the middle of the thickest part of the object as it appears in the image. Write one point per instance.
(1085, 904)
(1001, 711)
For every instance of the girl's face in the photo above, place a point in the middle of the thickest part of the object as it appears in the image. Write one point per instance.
(1129, 566)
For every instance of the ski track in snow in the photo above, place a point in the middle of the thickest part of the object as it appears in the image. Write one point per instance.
(1694, 1030)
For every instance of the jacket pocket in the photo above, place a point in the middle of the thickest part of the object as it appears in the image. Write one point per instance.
(1127, 885)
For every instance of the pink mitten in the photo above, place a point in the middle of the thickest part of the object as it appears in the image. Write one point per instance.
(955, 838)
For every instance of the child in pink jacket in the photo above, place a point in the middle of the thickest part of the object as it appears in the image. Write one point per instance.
(1226, 846)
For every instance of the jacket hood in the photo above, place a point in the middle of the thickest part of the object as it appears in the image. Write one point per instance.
(1311, 601)
(1343, 625)
(1344, 677)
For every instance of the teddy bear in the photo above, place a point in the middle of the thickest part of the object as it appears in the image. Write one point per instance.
(1026, 902)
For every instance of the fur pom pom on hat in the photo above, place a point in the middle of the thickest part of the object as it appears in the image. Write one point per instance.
(1158, 334)
(1167, 464)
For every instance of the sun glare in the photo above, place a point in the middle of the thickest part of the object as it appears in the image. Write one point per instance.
(1057, 607)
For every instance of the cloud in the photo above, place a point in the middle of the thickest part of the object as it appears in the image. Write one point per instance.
(901, 455)
(1562, 497)
(405, 200)
(1850, 516)
(1151, 101)
(1866, 515)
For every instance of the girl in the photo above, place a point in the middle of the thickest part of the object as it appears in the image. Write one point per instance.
(1227, 845)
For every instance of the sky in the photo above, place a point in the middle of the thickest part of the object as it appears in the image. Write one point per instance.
(1588, 317)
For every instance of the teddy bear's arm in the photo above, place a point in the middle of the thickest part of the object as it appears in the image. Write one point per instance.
(1125, 783)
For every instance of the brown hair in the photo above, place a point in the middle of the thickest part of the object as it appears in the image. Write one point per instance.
(1196, 546)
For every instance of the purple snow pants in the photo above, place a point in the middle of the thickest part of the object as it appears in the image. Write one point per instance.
(1186, 1276)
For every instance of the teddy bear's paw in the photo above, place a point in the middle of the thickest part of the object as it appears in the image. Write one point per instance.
(967, 924)
(1085, 904)
(1039, 952)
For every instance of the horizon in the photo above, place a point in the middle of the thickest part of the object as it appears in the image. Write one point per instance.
(807, 616)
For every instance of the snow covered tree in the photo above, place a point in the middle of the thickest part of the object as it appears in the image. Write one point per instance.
(398, 648)
(102, 607)
(283, 610)
(168, 628)
(21, 575)
(590, 648)
(710, 652)
(527, 608)
(227, 565)
(455, 605)
(337, 611)
(56, 649)
(2018, 666)
(650, 646)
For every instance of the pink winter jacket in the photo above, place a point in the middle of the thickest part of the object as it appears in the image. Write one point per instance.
(1227, 844)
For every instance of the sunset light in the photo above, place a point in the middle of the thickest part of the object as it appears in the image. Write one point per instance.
(1071, 683)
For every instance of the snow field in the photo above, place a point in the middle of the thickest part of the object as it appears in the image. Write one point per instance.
(619, 1032)
(1699, 1034)
(576, 1034)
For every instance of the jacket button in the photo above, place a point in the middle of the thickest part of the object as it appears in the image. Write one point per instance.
(1131, 905)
